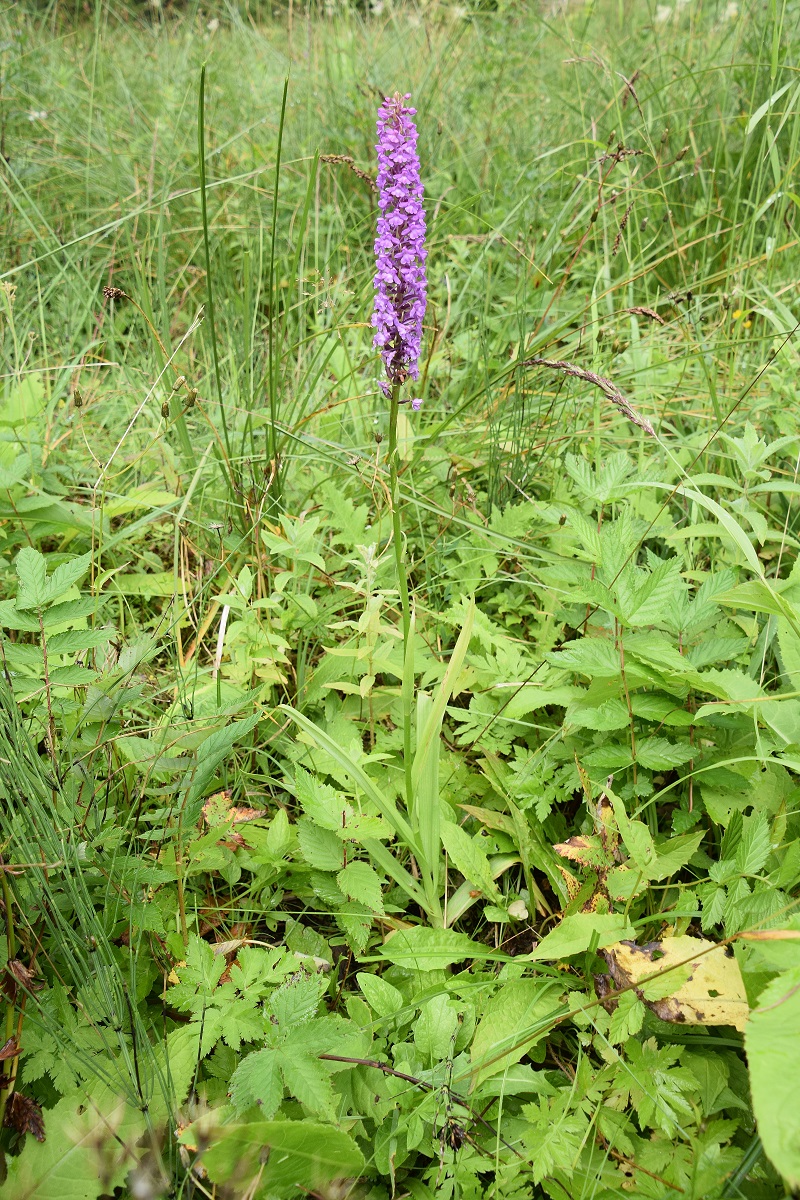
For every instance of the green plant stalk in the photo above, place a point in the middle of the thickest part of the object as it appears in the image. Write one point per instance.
(402, 587)
(11, 946)
(201, 155)
(426, 814)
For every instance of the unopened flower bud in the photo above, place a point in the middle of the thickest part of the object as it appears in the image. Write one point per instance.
(165, 409)
(77, 398)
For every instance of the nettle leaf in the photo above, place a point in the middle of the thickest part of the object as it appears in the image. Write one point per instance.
(308, 1080)
(68, 612)
(257, 1080)
(320, 848)
(212, 751)
(321, 803)
(675, 853)
(74, 640)
(296, 1000)
(360, 881)
(755, 845)
(66, 576)
(659, 754)
(637, 839)
(32, 574)
(355, 920)
(602, 717)
(363, 829)
(597, 658)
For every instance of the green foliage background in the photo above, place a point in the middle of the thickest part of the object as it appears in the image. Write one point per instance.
(241, 957)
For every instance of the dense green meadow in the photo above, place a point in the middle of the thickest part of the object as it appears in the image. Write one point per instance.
(301, 901)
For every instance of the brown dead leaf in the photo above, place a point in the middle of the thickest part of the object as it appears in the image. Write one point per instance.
(227, 948)
(216, 808)
(219, 813)
(9, 1050)
(24, 1115)
(713, 993)
(17, 976)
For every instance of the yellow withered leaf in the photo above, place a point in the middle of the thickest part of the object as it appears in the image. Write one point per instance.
(707, 987)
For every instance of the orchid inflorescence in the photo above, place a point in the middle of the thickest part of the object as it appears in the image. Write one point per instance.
(400, 279)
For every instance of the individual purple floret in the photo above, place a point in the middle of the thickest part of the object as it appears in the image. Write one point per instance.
(400, 281)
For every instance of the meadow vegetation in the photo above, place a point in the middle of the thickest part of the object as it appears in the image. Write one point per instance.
(288, 910)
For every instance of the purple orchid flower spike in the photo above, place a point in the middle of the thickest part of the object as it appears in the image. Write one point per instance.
(400, 279)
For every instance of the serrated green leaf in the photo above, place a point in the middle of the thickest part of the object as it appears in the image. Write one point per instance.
(74, 640)
(627, 1018)
(659, 754)
(360, 882)
(321, 848)
(69, 611)
(296, 1000)
(321, 803)
(65, 576)
(257, 1080)
(754, 846)
(308, 1081)
(674, 854)
(32, 574)
(598, 658)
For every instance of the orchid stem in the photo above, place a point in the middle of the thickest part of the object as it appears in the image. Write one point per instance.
(402, 586)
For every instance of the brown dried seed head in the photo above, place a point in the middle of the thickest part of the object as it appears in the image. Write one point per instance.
(113, 293)
(191, 397)
(77, 398)
(179, 382)
(165, 409)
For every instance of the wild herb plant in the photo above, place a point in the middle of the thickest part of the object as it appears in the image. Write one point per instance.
(399, 806)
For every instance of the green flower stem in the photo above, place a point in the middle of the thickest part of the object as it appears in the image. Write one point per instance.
(402, 586)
